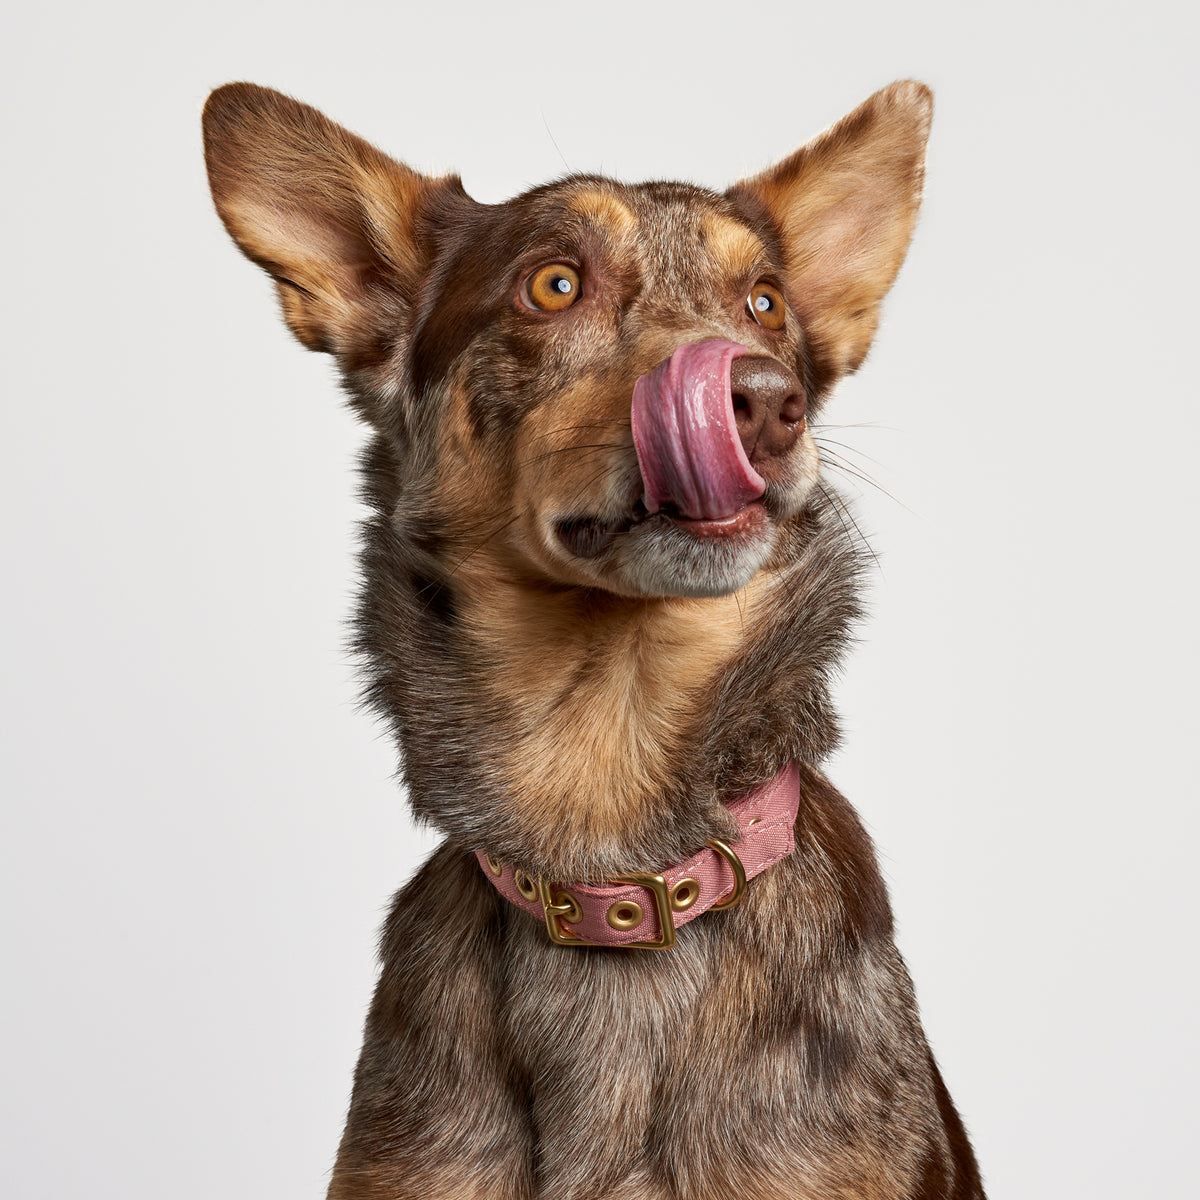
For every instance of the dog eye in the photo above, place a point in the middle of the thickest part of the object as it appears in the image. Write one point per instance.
(552, 288)
(766, 306)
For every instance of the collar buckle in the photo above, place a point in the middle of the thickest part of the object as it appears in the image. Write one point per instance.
(564, 907)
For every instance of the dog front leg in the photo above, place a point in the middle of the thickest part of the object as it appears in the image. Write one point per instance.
(439, 1111)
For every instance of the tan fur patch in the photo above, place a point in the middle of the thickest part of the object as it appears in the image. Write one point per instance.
(604, 208)
(472, 488)
(734, 249)
(605, 690)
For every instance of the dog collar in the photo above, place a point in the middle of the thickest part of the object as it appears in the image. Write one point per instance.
(643, 911)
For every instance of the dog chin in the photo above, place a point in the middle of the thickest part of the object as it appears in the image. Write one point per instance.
(672, 557)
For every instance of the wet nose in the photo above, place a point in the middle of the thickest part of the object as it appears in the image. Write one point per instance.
(768, 404)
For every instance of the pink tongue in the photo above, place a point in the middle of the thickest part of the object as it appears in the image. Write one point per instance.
(686, 435)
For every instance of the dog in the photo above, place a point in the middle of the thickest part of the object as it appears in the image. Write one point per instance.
(605, 588)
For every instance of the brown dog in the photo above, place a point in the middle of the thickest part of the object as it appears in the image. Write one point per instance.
(605, 588)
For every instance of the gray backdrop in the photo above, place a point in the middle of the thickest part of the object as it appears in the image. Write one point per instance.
(200, 830)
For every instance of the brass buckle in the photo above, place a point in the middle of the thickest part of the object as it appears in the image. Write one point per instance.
(657, 886)
(557, 909)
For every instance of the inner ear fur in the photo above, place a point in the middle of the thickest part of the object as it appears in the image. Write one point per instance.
(843, 208)
(337, 224)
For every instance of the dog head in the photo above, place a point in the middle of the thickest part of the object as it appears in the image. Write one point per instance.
(594, 384)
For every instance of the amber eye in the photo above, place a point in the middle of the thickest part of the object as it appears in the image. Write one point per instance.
(766, 306)
(552, 288)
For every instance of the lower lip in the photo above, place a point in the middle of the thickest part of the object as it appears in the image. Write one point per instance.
(745, 520)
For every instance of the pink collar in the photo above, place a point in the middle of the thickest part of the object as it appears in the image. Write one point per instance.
(643, 911)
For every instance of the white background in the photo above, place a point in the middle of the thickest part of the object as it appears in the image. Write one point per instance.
(200, 832)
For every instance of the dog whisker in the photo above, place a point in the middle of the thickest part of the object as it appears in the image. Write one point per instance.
(856, 425)
(453, 567)
(823, 441)
(843, 514)
(573, 449)
(616, 423)
(837, 462)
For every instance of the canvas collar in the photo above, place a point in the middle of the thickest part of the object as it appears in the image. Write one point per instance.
(644, 911)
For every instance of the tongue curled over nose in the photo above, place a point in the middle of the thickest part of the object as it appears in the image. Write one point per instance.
(686, 436)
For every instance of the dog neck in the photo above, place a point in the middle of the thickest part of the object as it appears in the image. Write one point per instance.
(580, 735)
(602, 694)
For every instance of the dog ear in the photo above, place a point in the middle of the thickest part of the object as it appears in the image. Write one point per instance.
(335, 222)
(843, 208)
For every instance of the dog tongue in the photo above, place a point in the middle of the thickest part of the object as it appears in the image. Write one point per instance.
(686, 435)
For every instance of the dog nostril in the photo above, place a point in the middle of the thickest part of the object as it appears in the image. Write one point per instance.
(791, 412)
(741, 406)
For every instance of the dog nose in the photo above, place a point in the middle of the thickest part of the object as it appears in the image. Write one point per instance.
(768, 404)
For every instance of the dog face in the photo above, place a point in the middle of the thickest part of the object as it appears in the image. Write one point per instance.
(585, 288)
(592, 384)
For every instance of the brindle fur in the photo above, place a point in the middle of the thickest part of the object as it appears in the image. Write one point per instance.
(556, 712)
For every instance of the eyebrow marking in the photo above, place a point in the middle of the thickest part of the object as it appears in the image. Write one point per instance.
(604, 209)
(734, 248)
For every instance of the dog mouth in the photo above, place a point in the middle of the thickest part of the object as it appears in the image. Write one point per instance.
(697, 509)
(695, 477)
(589, 536)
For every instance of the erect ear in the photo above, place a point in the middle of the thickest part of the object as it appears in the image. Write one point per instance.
(336, 223)
(844, 207)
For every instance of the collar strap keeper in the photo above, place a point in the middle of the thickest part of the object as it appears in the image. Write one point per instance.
(642, 912)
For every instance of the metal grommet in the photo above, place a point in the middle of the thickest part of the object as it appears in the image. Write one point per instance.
(494, 865)
(684, 894)
(525, 885)
(754, 821)
(625, 914)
